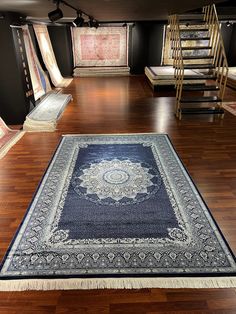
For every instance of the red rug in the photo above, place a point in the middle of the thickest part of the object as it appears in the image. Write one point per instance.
(8, 138)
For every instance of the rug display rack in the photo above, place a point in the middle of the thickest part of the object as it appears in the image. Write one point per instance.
(117, 211)
(8, 138)
(44, 117)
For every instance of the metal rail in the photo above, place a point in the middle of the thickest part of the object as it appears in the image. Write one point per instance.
(217, 50)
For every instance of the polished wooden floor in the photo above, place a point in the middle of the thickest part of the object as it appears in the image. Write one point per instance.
(206, 145)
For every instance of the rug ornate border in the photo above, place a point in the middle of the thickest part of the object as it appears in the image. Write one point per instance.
(190, 251)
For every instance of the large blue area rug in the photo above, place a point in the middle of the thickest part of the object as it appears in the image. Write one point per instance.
(117, 211)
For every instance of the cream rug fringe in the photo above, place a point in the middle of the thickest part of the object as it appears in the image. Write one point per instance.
(65, 82)
(31, 125)
(11, 143)
(117, 283)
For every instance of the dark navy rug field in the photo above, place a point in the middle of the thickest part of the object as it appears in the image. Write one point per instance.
(117, 211)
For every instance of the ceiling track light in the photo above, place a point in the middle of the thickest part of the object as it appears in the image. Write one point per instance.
(56, 14)
(92, 22)
(79, 20)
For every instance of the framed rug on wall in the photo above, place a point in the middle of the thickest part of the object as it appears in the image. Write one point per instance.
(101, 47)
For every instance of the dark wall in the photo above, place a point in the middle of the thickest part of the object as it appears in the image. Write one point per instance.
(145, 47)
(155, 44)
(232, 47)
(138, 49)
(13, 104)
(61, 42)
(226, 34)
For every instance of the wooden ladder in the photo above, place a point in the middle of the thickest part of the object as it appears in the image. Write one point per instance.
(197, 45)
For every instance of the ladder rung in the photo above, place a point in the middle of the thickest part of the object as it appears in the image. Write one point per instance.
(197, 48)
(194, 38)
(199, 66)
(200, 99)
(201, 111)
(197, 57)
(192, 22)
(200, 77)
(200, 87)
(194, 29)
(189, 16)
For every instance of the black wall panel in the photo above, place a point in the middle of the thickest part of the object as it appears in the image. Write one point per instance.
(226, 34)
(61, 42)
(145, 45)
(13, 103)
(138, 49)
(155, 43)
(232, 47)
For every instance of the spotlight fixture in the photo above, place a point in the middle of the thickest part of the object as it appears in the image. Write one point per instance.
(228, 24)
(96, 24)
(92, 22)
(56, 14)
(79, 21)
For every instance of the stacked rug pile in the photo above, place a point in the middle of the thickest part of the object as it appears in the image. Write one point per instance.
(43, 118)
(101, 71)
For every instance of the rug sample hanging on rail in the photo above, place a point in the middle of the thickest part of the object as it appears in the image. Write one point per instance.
(48, 56)
(117, 211)
(8, 138)
(40, 82)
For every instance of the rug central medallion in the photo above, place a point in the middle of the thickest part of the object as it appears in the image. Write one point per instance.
(116, 181)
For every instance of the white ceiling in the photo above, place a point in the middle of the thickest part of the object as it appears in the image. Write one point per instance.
(107, 10)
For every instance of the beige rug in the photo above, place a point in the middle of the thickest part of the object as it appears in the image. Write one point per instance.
(8, 138)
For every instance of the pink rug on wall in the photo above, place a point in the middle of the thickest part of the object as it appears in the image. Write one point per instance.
(8, 138)
(101, 47)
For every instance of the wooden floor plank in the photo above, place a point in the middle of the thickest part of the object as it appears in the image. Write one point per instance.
(207, 147)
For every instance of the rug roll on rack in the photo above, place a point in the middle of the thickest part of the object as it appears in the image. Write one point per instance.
(39, 79)
(48, 56)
